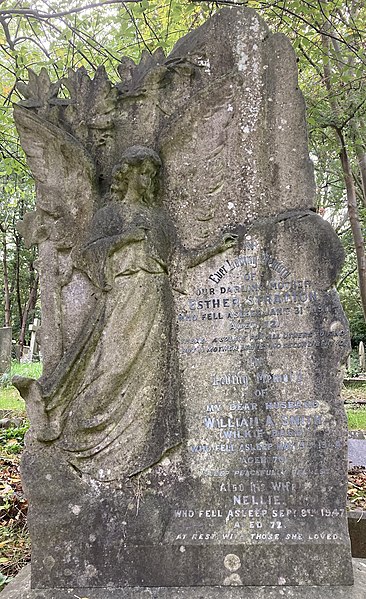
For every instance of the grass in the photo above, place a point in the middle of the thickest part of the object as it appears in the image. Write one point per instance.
(14, 536)
(352, 392)
(356, 419)
(9, 396)
(11, 400)
(30, 369)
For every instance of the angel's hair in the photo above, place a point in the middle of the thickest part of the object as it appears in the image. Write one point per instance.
(137, 154)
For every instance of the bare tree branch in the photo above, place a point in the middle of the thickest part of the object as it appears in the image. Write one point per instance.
(343, 279)
(25, 38)
(139, 34)
(315, 67)
(73, 46)
(4, 24)
(353, 113)
(6, 152)
(29, 12)
(168, 20)
(283, 9)
(150, 27)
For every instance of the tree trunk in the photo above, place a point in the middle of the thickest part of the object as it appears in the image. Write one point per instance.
(7, 305)
(17, 277)
(360, 153)
(361, 157)
(354, 219)
(352, 207)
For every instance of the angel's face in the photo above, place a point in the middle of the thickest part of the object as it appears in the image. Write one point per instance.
(141, 179)
(145, 174)
(135, 182)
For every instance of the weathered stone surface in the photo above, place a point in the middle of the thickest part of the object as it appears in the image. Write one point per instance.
(188, 429)
(261, 333)
(353, 434)
(357, 452)
(20, 589)
(9, 422)
(357, 532)
(5, 349)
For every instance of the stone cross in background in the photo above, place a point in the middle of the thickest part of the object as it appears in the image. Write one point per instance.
(28, 351)
(33, 341)
(5, 349)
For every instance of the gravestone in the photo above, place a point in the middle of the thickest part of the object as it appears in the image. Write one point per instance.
(33, 341)
(188, 429)
(361, 356)
(5, 349)
(357, 449)
(25, 354)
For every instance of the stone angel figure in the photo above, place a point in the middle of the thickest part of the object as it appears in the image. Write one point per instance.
(113, 401)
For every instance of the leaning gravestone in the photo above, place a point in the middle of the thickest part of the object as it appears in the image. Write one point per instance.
(188, 429)
(5, 349)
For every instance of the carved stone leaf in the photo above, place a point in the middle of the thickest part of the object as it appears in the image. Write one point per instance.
(31, 103)
(101, 81)
(44, 84)
(92, 102)
(125, 68)
(33, 81)
(23, 89)
(137, 77)
(40, 91)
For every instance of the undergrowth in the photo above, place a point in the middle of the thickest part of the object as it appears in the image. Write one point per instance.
(14, 537)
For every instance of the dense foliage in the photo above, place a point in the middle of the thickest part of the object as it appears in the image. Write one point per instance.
(329, 39)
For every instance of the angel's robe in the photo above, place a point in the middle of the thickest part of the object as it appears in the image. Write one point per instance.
(122, 408)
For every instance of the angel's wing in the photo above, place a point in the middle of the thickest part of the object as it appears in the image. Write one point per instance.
(63, 171)
(66, 200)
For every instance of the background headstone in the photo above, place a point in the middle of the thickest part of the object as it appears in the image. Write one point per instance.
(5, 349)
(357, 452)
(361, 356)
(25, 354)
(188, 426)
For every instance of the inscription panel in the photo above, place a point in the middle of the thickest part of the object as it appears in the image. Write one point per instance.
(257, 332)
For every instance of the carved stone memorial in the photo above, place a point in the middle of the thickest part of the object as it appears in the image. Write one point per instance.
(5, 349)
(188, 428)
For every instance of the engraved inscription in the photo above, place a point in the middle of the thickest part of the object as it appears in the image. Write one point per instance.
(244, 327)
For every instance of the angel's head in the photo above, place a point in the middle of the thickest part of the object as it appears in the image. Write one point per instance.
(135, 177)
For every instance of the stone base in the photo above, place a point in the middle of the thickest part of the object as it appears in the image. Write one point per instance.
(357, 533)
(20, 589)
